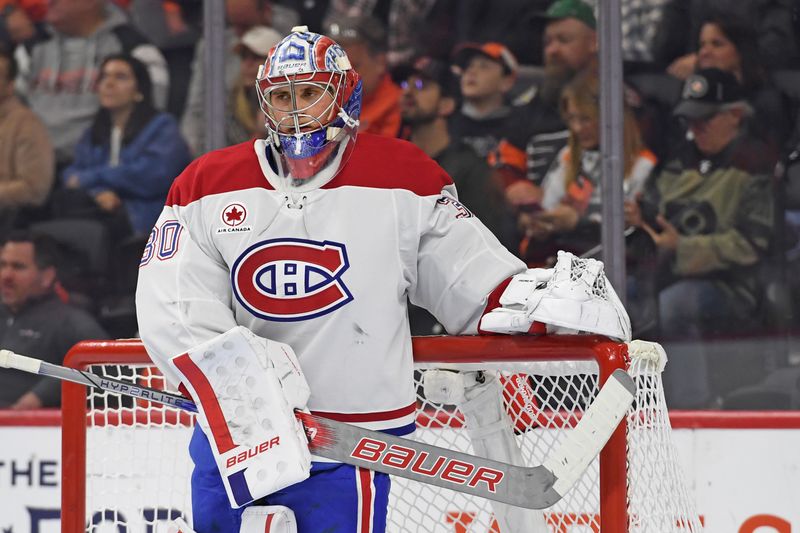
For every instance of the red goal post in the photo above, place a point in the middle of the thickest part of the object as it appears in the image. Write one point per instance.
(510, 355)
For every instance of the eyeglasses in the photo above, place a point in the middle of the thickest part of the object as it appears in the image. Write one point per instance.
(416, 83)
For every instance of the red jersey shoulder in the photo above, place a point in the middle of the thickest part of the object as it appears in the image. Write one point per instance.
(386, 163)
(228, 169)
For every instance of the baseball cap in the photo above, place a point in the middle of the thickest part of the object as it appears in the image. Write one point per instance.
(428, 68)
(364, 28)
(259, 40)
(575, 9)
(496, 51)
(705, 91)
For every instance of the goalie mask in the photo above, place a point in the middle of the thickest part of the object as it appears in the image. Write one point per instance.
(311, 97)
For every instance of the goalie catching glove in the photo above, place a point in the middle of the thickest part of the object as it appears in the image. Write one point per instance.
(575, 294)
(246, 389)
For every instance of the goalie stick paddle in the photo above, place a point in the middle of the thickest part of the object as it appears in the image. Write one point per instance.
(534, 487)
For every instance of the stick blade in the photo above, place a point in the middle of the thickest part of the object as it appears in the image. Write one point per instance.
(591, 434)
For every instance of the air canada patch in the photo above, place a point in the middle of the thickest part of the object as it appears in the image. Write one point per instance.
(233, 217)
(288, 280)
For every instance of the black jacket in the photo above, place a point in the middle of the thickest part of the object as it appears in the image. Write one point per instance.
(46, 328)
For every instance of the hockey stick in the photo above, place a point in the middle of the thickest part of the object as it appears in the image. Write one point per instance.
(530, 487)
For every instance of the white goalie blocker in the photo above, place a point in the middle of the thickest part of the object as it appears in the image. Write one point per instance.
(575, 295)
(246, 389)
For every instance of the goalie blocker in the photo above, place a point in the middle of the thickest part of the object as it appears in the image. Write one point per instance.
(574, 296)
(246, 389)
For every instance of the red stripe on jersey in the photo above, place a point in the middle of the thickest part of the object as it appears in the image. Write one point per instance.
(366, 499)
(385, 163)
(368, 417)
(233, 168)
(268, 525)
(208, 400)
(376, 162)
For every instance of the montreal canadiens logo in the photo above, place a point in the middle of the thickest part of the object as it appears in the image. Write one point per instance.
(289, 280)
(234, 215)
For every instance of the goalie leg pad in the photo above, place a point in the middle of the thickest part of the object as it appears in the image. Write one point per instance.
(258, 444)
(268, 519)
(479, 395)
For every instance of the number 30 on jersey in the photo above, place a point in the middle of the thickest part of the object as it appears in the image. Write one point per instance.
(163, 242)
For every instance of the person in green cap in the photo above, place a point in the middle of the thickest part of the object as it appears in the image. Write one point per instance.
(570, 44)
(538, 133)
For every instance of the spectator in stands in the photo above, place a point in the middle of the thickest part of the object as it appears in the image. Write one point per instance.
(241, 15)
(21, 20)
(729, 44)
(364, 40)
(538, 132)
(126, 161)
(487, 73)
(774, 23)
(27, 165)
(34, 321)
(570, 214)
(63, 69)
(715, 224)
(245, 118)
(429, 99)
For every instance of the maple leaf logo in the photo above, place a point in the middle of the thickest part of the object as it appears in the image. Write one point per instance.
(234, 214)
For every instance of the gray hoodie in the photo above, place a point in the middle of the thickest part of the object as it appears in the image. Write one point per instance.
(61, 82)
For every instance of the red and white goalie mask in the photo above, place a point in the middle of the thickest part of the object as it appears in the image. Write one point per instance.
(311, 97)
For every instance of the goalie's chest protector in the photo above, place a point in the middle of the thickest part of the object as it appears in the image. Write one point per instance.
(328, 271)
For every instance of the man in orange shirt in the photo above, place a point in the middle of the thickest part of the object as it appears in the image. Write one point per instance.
(364, 40)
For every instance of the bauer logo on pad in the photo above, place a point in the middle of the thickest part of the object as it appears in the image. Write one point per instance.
(287, 280)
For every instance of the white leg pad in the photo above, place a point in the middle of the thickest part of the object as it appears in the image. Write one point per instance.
(259, 445)
(268, 519)
(492, 436)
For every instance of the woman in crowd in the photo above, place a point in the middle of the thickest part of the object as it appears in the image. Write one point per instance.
(569, 217)
(126, 161)
(732, 45)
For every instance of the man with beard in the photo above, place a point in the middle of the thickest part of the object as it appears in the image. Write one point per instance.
(532, 143)
(428, 100)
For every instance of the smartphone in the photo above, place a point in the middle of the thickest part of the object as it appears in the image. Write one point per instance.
(649, 212)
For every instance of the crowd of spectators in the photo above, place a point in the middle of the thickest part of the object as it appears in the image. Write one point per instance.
(101, 107)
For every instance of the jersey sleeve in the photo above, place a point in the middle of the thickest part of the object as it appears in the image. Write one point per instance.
(184, 296)
(459, 262)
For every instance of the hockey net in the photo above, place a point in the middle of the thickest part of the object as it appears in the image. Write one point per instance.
(126, 466)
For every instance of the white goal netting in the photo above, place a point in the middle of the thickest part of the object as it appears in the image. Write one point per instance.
(137, 468)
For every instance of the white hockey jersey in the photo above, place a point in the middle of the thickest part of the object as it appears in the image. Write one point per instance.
(327, 271)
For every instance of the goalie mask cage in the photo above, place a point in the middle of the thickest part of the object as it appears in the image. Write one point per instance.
(125, 464)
